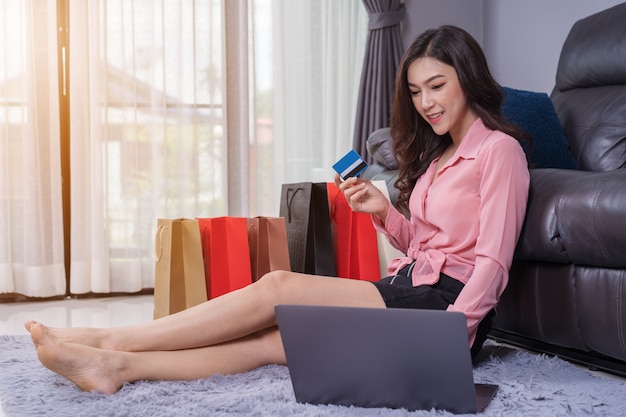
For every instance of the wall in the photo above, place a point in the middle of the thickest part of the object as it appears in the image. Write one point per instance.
(521, 39)
(425, 14)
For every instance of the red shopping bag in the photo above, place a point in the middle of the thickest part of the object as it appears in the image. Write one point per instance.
(226, 254)
(356, 242)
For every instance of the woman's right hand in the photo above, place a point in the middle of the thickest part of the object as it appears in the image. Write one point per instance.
(363, 196)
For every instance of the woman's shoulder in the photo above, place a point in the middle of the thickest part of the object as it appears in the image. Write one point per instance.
(488, 141)
(501, 149)
(499, 141)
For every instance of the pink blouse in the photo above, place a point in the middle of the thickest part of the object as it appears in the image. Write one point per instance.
(467, 222)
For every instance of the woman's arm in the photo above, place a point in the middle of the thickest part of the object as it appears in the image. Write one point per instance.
(504, 184)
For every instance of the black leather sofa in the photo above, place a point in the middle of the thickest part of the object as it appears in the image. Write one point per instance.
(567, 289)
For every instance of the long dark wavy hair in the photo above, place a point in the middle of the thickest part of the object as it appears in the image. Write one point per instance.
(416, 145)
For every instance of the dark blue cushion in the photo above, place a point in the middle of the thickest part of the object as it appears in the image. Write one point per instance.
(534, 114)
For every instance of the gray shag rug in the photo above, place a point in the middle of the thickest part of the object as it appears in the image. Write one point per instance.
(530, 385)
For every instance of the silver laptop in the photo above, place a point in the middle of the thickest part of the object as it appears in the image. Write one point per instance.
(369, 357)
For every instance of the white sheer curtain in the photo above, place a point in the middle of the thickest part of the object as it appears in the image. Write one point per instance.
(146, 131)
(305, 92)
(149, 125)
(31, 219)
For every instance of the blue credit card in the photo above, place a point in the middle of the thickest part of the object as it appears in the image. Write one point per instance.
(350, 165)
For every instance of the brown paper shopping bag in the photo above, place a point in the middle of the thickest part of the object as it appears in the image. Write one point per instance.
(179, 272)
(269, 251)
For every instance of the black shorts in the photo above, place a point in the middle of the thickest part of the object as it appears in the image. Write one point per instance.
(398, 291)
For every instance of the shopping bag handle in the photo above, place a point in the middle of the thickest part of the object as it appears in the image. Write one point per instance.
(158, 244)
(290, 200)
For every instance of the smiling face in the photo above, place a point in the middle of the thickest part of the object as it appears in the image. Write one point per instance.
(438, 97)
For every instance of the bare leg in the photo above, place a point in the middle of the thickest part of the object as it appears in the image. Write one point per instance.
(94, 369)
(229, 317)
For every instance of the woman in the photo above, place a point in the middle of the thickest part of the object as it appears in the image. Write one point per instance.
(464, 179)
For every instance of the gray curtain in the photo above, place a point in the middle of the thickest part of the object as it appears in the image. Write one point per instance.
(382, 55)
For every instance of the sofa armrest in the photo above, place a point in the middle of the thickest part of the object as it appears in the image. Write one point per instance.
(380, 147)
(575, 217)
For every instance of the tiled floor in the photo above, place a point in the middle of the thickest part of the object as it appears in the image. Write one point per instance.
(91, 312)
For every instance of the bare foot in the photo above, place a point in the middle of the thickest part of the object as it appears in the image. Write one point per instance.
(93, 337)
(90, 368)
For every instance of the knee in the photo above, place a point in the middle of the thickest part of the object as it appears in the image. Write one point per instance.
(279, 287)
(274, 281)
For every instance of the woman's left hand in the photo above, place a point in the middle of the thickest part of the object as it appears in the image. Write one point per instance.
(363, 196)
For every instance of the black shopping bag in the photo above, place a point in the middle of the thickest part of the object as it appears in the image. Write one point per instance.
(305, 209)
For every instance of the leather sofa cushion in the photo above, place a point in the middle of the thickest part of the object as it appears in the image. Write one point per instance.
(575, 217)
(590, 92)
(594, 121)
(593, 52)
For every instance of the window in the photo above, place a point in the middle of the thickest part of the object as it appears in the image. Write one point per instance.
(125, 108)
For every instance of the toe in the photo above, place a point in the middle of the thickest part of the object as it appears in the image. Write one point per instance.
(28, 324)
